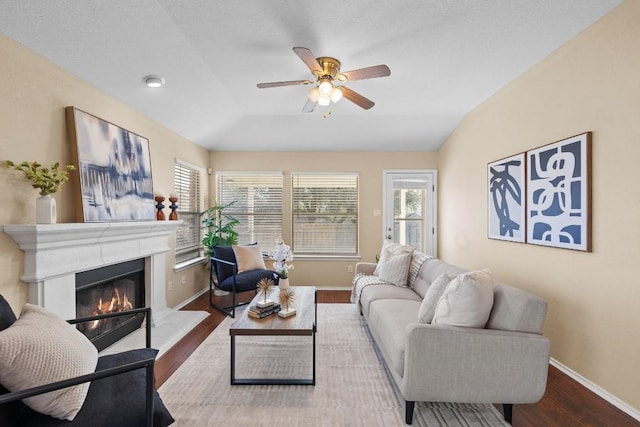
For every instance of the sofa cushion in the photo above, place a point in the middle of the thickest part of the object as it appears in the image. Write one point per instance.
(395, 269)
(430, 301)
(517, 310)
(116, 400)
(466, 301)
(388, 320)
(248, 258)
(7, 316)
(389, 250)
(379, 292)
(431, 269)
(40, 348)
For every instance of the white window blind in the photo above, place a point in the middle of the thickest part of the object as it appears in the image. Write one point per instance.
(325, 213)
(188, 188)
(258, 204)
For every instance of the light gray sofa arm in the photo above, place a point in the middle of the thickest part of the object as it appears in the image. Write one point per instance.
(452, 364)
(366, 268)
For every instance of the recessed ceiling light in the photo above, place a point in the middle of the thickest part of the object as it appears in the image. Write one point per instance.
(153, 81)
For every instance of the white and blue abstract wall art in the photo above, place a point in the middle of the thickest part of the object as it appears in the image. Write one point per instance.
(558, 194)
(114, 167)
(506, 191)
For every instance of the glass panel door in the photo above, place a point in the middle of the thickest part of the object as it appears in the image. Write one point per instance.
(410, 209)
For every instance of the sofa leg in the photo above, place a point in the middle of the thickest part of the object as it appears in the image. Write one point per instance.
(507, 409)
(408, 412)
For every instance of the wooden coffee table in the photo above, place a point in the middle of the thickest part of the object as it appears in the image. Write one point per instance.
(304, 323)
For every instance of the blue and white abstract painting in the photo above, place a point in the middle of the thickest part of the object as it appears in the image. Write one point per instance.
(506, 216)
(114, 165)
(558, 187)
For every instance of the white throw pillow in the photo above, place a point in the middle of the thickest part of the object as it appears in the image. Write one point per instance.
(466, 301)
(389, 250)
(249, 258)
(432, 296)
(395, 269)
(41, 348)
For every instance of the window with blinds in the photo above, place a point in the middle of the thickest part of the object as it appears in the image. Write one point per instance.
(188, 188)
(258, 204)
(325, 213)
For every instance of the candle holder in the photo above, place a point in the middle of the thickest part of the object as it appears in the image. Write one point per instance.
(173, 216)
(159, 207)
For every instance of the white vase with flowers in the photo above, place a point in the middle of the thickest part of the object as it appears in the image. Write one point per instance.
(282, 262)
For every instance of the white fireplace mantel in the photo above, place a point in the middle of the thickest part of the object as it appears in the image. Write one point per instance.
(54, 253)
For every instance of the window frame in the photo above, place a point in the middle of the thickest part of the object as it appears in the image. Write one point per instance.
(247, 218)
(335, 252)
(192, 216)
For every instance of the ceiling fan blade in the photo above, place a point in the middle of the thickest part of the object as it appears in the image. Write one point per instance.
(309, 59)
(309, 106)
(287, 83)
(365, 73)
(356, 98)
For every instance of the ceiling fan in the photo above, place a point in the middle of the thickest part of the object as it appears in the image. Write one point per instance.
(327, 73)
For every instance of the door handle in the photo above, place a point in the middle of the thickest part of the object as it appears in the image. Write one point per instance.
(389, 237)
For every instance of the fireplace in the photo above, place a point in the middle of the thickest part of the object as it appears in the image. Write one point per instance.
(110, 289)
(54, 254)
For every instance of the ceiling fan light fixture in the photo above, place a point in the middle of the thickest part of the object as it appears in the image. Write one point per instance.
(325, 87)
(314, 94)
(336, 94)
(324, 101)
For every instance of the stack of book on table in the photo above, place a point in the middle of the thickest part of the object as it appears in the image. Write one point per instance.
(260, 312)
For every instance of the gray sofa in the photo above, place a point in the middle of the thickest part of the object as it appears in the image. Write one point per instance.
(506, 362)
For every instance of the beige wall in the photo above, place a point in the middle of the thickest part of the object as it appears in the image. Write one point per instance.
(33, 94)
(369, 166)
(590, 84)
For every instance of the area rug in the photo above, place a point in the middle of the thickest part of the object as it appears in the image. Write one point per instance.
(353, 387)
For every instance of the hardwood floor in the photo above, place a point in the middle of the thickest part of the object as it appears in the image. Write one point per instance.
(566, 403)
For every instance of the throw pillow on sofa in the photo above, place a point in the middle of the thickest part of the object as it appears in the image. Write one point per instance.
(41, 348)
(390, 250)
(395, 269)
(466, 301)
(431, 298)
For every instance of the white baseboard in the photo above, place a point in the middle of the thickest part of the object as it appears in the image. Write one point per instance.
(597, 390)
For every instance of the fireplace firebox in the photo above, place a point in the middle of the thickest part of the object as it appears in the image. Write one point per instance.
(113, 288)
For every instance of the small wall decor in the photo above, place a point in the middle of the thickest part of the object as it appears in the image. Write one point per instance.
(559, 194)
(114, 168)
(506, 191)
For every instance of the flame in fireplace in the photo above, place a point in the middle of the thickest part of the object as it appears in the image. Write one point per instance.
(117, 304)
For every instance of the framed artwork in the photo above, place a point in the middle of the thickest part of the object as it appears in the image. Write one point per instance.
(506, 199)
(114, 169)
(559, 194)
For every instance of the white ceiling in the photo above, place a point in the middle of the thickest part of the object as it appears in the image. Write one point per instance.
(446, 57)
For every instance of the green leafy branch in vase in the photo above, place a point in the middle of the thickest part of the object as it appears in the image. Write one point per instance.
(47, 180)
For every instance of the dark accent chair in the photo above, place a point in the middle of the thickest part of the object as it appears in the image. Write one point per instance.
(121, 393)
(223, 275)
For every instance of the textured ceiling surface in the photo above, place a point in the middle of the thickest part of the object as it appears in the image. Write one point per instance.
(446, 57)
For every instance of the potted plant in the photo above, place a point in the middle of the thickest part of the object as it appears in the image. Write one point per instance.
(220, 227)
(48, 181)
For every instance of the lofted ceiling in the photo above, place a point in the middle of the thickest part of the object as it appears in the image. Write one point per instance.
(446, 57)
